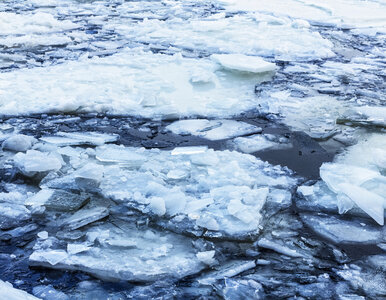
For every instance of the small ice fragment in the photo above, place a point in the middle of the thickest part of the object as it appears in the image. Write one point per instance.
(43, 235)
(35, 161)
(76, 248)
(213, 129)
(207, 257)
(244, 63)
(52, 257)
(19, 143)
(229, 270)
(265, 243)
(116, 154)
(85, 216)
(157, 206)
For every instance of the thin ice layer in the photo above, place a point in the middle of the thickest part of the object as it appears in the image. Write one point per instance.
(132, 83)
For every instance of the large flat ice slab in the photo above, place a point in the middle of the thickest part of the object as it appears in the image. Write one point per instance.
(133, 82)
(124, 253)
(341, 231)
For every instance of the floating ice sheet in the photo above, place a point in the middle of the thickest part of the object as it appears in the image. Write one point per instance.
(132, 83)
(244, 63)
(213, 129)
(151, 255)
(340, 231)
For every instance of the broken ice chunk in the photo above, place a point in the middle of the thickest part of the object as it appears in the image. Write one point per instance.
(228, 270)
(207, 257)
(259, 142)
(275, 246)
(213, 129)
(155, 255)
(12, 215)
(364, 116)
(85, 216)
(121, 155)
(341, 231)
(349, 180)
(189, 150)
(7, 291)
(34, 161)
(244, 63)
(83, 138)
(52, 257)
(19, 143)
(58, 200)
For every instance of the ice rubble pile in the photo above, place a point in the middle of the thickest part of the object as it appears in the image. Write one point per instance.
(102, 192)
(356, 179)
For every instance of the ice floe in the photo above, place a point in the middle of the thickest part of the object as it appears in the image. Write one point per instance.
(134, 83)
(150, 255)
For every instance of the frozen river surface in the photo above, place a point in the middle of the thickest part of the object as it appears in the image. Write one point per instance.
(192, 149)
